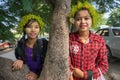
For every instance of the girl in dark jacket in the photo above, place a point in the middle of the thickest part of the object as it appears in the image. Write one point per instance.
(30, 50)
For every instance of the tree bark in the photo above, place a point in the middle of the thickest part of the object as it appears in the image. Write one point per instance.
(6, 72)
(56, 65)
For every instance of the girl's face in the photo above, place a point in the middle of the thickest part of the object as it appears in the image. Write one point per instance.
(83, 20)
(32, 30)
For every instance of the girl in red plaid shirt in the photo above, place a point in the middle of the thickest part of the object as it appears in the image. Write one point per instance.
(88, 53)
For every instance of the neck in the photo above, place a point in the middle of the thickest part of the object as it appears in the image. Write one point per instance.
(84, 35)
(31, 42)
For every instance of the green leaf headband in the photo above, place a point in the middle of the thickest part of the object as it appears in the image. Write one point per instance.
(25, 20)
(96, 16)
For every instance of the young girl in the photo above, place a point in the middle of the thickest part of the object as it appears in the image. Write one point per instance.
(88, 53)
(30, 50)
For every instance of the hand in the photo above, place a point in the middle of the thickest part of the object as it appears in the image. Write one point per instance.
(78, 73)
(71, 77)
(31, 76)
(17, 65)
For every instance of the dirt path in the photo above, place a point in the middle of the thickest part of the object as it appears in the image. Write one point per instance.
(114, 70)
(6, 50)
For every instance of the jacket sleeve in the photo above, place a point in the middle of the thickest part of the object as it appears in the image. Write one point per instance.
(17, 53)
(44, 49)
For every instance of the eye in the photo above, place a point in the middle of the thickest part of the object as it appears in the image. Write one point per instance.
(37, 26)
(87, 18)
(29, 26)
(77, 19)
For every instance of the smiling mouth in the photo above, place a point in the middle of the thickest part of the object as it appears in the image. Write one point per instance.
(33, 34)
(83, 26)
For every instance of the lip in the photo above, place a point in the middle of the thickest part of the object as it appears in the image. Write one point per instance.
(83, 26)
(33, 34)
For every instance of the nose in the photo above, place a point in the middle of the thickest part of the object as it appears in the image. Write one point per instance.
(33, 29)
(82, 20)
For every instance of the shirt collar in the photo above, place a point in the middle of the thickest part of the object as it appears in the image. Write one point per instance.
(91, 36)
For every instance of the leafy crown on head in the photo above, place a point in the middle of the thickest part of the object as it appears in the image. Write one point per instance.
(25, 20)
(95, 15)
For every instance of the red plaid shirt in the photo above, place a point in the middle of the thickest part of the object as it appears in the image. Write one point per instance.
(89, 56)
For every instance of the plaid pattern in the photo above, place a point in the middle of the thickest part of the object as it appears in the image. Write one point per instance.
(89, 56)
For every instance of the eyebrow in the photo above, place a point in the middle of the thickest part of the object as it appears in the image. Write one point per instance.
(82, 17)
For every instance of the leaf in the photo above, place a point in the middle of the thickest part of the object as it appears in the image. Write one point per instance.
(27, 5)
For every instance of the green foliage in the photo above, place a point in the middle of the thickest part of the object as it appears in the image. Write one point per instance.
(45, 11)
(96, 16)
(6, 22)
(101, 5)
(114, 18)
(106, 5)
(11, 11)
(6, 34)
(27, 4)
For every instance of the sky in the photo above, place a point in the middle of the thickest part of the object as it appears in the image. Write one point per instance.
(106, 15)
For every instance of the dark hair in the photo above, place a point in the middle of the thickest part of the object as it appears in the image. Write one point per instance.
(83, 8)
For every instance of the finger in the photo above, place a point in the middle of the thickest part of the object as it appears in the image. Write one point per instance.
(14, 67)
(14, 64)
(17, 67)
(72, 67)
(27, 76)
(21, 66)
(30, 78)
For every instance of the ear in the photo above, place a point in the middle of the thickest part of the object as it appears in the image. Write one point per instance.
(72, 20)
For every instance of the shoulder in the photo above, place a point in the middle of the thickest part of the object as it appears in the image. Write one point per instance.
(72, 36)
(43, 41)
(97, 37)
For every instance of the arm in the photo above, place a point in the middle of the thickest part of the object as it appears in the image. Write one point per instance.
(31, 76)
(75, 72)
(17, 65)
(102, 58)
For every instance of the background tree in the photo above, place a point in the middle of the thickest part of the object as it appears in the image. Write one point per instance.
(101, 5)
(37, 7)
(114, 18)
(6, 22)
(11, 11)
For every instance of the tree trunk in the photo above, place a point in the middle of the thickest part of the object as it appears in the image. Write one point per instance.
(56, 65)
(6, 72)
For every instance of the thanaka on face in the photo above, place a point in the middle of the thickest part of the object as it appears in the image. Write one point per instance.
(83, 21)
(32, 30)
